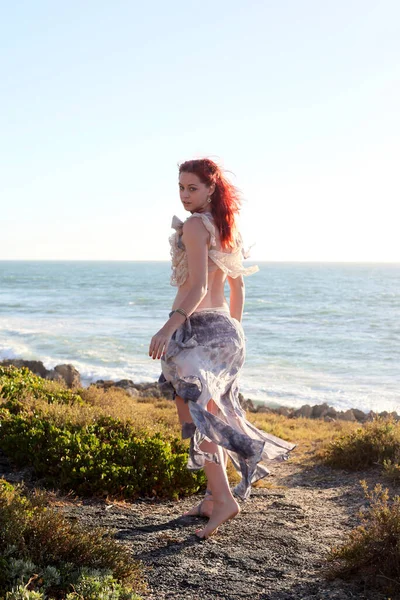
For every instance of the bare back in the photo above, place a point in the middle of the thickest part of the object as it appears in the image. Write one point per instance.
(215, 296)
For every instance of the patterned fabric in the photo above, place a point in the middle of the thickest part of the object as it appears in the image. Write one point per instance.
(202, 362)
(229, 262)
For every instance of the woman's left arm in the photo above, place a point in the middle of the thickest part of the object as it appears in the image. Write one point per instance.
(196, 243)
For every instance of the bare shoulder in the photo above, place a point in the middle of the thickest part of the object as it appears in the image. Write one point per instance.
(195, 227)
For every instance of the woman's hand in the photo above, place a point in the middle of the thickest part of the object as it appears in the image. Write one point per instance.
(159, 342)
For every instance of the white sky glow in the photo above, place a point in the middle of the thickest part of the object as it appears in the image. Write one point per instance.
(100, 101)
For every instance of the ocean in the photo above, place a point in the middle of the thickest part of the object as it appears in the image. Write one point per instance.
(315, 332)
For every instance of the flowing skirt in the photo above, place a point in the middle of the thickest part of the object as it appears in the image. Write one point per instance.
(203, 362)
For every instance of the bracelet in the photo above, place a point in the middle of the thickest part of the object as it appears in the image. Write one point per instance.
(181, 311)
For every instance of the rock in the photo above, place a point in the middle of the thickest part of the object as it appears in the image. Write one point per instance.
(105, 383)
(331, 412)
(384, 414)
(52, 375)
(371, 416)
(285, 411)
(320, 410)
(127, 385)
(165, 388)
(70, 375)
(247, 404)
(359, 415)
(66, 373)
(36, 366)
(151, 390)
(139, 390)
(132, 391)
(264, 409)
(304, 411)
(124, 383)
(348, 415)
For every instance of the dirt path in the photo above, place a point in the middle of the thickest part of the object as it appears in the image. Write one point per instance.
(273, 551)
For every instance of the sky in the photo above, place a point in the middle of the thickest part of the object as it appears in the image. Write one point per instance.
(297, 100)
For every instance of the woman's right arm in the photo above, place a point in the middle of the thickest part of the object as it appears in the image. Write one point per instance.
(196, 240)
(196, 237)
(237, 296)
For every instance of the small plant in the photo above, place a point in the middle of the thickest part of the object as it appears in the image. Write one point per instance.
(391, 468)
(40, 547)
(89, 584)
(93, 585)
(372, 548)
(372, 444)
(21, 593)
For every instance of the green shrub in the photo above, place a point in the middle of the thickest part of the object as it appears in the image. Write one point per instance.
(106, 457)
(89, 584)
(373, 443)
(103, 456)
(17, 384)
(40, 547)
(373, 548)
(93, 585)
(21, 593)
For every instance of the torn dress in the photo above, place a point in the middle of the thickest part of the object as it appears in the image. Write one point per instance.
(203, 361)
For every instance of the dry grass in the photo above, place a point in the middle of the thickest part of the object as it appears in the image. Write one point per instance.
(32, 531)
(147, 414)
(372, 548)
(312, 436)
(151, 414)
(374, 443)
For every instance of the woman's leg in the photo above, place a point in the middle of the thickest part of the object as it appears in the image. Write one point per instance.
(213, 408)
(224, 506)
(205, 507)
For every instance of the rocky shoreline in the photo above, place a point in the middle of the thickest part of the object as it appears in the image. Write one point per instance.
(69, 375)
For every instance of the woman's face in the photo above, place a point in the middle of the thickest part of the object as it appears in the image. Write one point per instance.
(194, 193)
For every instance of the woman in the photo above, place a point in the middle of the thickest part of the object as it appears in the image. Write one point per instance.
(202, 345)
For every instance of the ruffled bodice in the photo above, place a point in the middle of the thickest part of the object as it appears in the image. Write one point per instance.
(229, 262)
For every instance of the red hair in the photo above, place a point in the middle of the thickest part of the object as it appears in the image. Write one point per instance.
(225, 200)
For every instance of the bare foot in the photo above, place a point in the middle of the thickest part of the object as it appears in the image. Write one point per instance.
(222, 512)
(203, 509)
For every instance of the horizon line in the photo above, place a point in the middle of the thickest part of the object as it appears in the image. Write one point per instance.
(94, 260)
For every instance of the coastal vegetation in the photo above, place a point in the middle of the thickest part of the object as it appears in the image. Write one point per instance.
(105, 443)
(375, 443)
(76, 441)
(43, 555)
(373, 547)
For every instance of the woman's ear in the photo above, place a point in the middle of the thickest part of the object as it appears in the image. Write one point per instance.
(212, 189)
